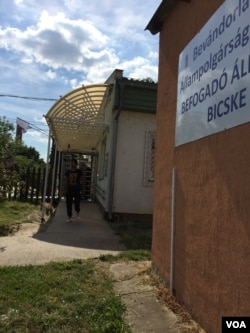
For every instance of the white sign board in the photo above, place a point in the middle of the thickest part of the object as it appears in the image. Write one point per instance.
(214, 75)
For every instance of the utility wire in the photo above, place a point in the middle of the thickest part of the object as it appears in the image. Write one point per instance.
(32, 126)
(33, 99)
(30, 98)
(38, 129)
(34, 123)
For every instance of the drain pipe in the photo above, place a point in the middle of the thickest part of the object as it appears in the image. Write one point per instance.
(61, 175)
(57, 175)
(172, 231)
(53, 177)
(46, 178)
(113, 159)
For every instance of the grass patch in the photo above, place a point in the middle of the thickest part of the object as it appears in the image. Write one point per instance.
(135, 235)
(75, 296)
(137, 238)
(13, 212)
(59, 297)
(129, 255)
(136, 242)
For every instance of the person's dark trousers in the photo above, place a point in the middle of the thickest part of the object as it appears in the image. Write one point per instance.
(73, 195)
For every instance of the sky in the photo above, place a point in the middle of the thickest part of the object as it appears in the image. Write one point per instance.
(50, 47)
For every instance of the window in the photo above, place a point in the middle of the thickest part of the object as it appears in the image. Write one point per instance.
(148, 179)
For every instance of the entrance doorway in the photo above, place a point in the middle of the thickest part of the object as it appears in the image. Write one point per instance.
(87, 163)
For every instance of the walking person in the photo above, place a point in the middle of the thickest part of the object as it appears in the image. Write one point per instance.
(73, 182)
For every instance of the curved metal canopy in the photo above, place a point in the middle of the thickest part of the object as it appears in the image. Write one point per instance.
(76, 120)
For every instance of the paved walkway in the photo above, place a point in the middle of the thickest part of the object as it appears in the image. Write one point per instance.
(88, 238)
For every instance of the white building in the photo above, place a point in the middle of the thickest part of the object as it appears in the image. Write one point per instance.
(111, 126)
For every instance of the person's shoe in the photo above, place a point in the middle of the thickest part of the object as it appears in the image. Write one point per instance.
(78, 216)
(69, 220)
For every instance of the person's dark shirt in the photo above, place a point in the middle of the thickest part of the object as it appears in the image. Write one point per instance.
(73, 178)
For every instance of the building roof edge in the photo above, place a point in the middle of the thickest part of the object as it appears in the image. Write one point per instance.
(161, 14)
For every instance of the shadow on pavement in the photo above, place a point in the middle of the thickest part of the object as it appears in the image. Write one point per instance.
(90, 232)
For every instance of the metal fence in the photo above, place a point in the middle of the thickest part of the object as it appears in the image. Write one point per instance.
(31, 186)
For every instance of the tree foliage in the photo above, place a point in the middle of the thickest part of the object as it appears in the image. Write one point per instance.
(15, 158)
(8, 177)
(148, 79)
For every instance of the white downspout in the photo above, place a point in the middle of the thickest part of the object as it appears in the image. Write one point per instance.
(114, 147)
(53, 178)
(58, 173)
(172, 231)
(61, 175)
(46, 178)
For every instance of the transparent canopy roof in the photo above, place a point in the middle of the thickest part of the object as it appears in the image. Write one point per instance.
(76, 120)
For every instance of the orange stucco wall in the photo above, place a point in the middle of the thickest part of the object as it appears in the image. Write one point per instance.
(212, 198)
